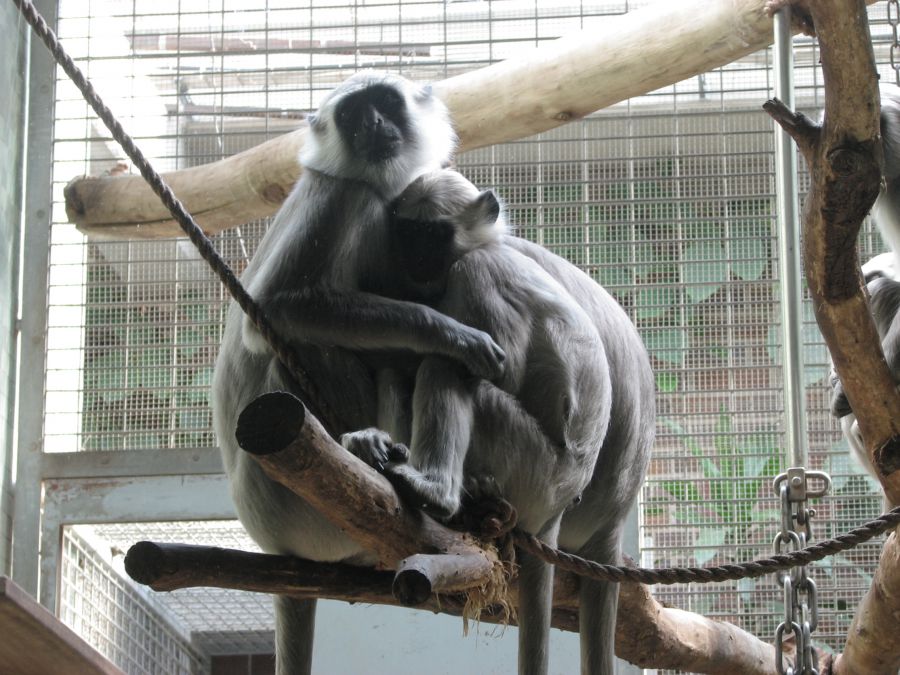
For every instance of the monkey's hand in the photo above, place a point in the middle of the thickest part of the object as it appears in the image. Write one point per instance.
(478, 352)
(375, 447)
(433, 496)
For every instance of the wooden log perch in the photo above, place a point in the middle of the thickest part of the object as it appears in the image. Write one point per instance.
(647, 633)
(533, 92)
(845, 162)
(295, 450)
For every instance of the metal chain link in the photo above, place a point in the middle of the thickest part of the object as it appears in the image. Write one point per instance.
(893, 17)
(801, 611)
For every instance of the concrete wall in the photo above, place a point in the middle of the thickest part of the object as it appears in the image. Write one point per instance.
(12, 84)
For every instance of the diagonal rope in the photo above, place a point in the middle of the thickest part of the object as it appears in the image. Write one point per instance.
(285, 353)
(320, 409)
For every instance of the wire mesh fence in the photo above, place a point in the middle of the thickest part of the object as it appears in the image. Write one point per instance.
(666, 199)
(121, 622)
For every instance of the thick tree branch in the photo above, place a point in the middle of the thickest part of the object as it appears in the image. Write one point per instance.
(533, 92)
(647, 634)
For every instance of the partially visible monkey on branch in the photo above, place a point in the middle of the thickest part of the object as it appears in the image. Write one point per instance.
(321, 276)
(881, 273)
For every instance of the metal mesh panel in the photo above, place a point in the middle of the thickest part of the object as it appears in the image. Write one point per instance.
(119, 621)
(666, 199)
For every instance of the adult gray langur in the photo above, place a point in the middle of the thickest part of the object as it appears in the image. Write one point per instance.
(564, 434)
(369, 139)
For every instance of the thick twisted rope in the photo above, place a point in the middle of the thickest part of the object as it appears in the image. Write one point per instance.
(567, 561)
(705, 575)
(282, 349)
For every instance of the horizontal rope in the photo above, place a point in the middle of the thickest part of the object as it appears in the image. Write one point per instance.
(704, 575)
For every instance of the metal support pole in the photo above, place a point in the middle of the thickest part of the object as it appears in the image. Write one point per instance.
(789, 251)
(33, 334)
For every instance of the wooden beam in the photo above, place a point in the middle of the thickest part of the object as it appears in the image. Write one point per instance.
(533, 92)
(37, 643)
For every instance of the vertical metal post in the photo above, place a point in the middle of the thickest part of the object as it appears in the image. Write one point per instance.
(33, 335)
(789, 251)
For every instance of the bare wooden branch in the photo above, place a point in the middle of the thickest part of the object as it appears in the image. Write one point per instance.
(564, 80)
(294, 449)
(668, 637)
(872, 645)
(844, 158)
(647, 634)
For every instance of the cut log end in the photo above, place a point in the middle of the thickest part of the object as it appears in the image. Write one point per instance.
(411, 587)
(270, 423)
(147, 562)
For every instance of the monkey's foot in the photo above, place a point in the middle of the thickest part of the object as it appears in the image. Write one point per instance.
(485, 513)
(434, 497)
(375, 447)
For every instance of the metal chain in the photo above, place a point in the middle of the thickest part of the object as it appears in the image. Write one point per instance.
(801, 611)
(283, 350)
(893, 17)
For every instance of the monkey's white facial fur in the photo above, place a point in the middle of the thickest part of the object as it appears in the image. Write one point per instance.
(381, 129)
(478, 218)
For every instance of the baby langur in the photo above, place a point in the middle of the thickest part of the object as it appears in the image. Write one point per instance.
(315, 275)
(534, 433)
(881, 273)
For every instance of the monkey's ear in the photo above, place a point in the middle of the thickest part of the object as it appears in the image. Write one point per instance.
(488, 206)
(424, 93)
(312, 119)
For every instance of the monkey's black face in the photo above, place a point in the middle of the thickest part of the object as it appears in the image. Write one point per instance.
(374, 122)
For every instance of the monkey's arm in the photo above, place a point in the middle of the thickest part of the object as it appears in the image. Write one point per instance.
(367, 322)
(884, 299)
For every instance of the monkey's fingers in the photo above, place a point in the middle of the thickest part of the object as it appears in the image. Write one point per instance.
(371, 445)
(482, 356)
